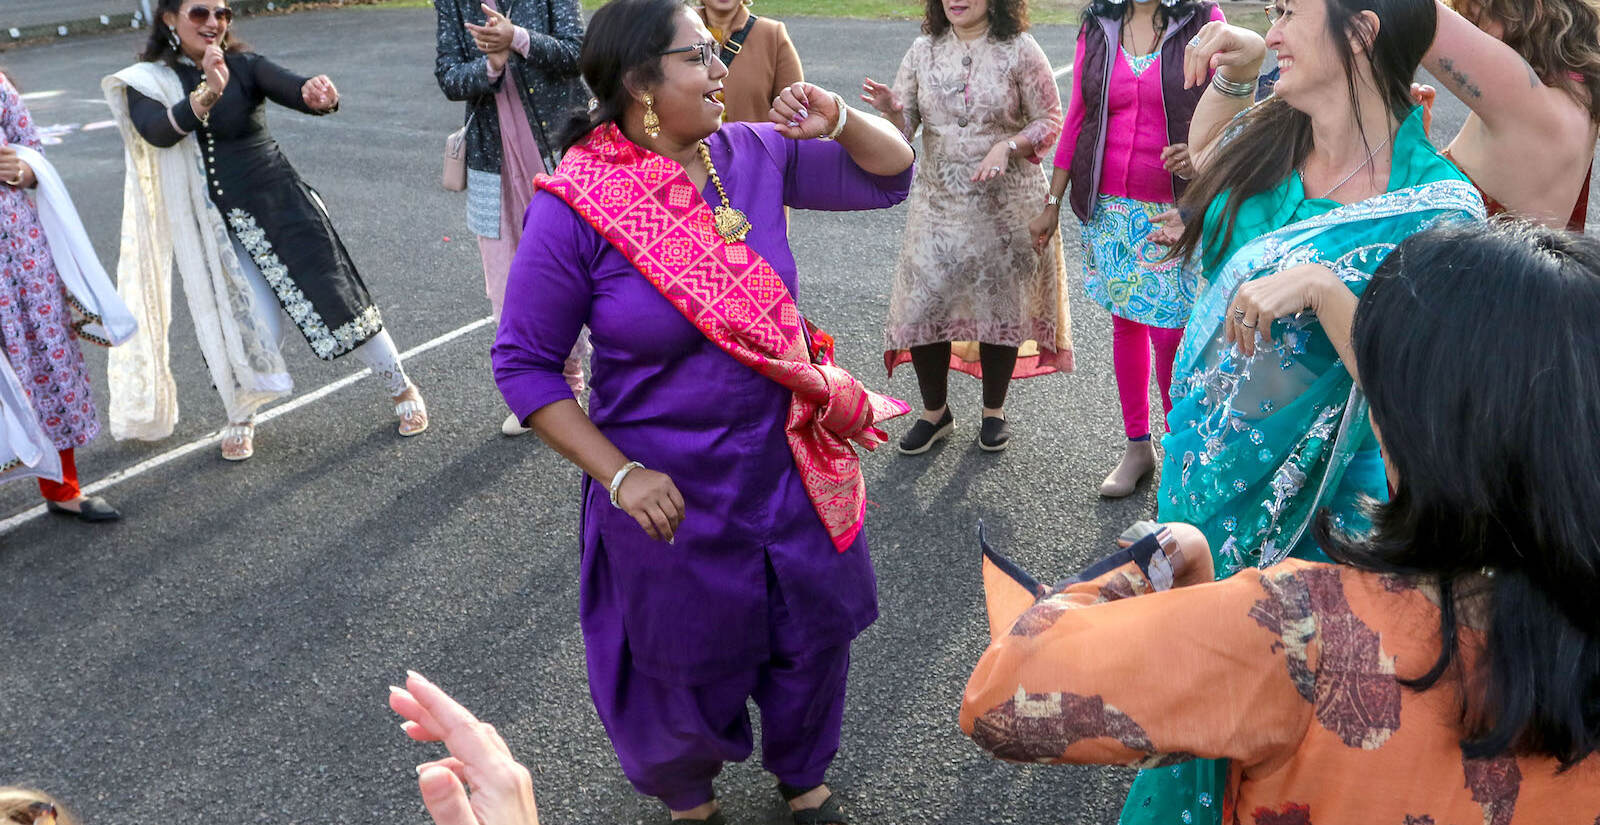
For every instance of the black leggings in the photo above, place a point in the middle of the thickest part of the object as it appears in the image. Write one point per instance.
(932, 365)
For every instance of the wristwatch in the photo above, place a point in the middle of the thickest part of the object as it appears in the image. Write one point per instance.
(1012, 145)
(1052, 200)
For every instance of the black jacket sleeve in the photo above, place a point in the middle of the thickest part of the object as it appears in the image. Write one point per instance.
(280, 85)
(460, 76)
(555, 34)
(151, 122)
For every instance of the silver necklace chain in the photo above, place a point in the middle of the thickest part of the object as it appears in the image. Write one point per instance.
(1346, 179)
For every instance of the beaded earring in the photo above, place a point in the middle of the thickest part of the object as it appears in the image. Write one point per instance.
(172, 39)
(652, 123)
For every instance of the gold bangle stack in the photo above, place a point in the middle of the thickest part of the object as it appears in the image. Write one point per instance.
(203, 98)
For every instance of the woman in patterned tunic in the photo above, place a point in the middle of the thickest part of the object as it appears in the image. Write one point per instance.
(194, 93)
(1297, 212)
(1446, 671)
(970, 291)
(36, 325)
(1125, 151)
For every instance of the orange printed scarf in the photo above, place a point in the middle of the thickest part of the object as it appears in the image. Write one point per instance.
(645, 205)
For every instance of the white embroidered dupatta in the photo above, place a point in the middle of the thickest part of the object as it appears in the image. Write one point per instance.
(165, 213)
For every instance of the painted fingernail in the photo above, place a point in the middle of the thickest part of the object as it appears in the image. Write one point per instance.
(398, 691)
(792, 124)
(804, 114)
(419, 677)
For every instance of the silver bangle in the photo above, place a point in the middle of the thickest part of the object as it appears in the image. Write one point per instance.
(1230, 88)
(844, 116)
(616, 480)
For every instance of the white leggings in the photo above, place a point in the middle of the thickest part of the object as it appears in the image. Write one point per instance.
(379, 352)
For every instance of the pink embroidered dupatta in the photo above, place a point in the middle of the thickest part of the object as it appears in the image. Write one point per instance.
(645, 205)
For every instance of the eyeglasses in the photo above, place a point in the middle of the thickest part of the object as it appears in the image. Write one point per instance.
(702, 52)
(1277, 14)
(198, 15)
(41, 813)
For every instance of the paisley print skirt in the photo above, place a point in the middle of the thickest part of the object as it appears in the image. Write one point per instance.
(1125, 273)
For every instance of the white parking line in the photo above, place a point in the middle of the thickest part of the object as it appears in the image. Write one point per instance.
(1067, 69)
(284, 409)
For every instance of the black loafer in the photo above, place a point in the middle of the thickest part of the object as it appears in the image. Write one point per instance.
(995, 435)
(924, 434)
(92, 509)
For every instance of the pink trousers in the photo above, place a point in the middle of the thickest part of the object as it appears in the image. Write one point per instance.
(1131, 343)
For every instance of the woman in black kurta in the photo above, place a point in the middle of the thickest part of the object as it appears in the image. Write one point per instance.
(277, 222)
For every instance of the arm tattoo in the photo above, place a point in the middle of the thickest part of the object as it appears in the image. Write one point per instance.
(1459, 78)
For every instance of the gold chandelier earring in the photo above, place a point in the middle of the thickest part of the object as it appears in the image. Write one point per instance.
(652, 123)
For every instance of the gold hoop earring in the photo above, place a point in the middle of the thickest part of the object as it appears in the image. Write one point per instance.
(652, 123)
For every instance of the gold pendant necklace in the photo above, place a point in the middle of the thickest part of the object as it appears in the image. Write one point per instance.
(732, 225)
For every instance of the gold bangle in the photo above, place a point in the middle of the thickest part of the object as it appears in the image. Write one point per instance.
(18, 182)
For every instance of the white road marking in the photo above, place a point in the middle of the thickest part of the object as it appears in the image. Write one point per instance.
(1067, 69)
(27, 96)
(283, 409)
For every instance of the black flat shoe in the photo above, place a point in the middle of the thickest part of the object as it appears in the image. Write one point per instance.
(716, 818)
(995, 435)
(92, 509)
(924, 434)
(828, 813)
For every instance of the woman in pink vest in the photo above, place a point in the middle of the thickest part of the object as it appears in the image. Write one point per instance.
(1125, 152)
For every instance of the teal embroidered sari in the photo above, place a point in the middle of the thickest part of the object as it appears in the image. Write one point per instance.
(1259, 445)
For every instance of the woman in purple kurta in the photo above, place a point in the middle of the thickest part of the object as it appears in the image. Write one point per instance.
(749, 596)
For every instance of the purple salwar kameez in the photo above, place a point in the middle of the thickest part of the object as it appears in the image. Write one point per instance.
(752, 599)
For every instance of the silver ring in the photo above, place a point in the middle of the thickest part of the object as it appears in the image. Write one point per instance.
(1238, 313)
(1245, 325)
(1194, 41)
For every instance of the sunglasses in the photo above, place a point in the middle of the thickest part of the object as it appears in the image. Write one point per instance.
(198, 15)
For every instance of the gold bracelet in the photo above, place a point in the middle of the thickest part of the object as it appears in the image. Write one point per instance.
(18, 182)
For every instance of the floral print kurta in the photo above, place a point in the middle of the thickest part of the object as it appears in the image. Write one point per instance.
(967, 270)
(1289, 672)
(35, 315)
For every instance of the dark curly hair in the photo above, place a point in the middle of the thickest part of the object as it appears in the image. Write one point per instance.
(1560, 39)
(159, 46)
(1007, 18)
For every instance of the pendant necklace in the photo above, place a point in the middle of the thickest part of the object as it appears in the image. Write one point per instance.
(1346, 179)
(731, 224)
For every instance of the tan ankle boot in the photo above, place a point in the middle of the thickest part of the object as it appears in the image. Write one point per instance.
(1137, 462)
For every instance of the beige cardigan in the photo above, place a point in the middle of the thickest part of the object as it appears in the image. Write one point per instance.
(766, 64)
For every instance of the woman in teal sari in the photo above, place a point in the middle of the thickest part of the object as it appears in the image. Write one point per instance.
(1302, 196)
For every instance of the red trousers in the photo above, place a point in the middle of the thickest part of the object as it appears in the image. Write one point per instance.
(67, 488)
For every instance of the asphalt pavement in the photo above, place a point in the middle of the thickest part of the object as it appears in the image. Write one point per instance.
(221, 655)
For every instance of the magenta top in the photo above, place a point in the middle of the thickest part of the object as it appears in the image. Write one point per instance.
(1136, 128)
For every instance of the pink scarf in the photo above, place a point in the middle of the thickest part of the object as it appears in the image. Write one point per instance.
(646, 206)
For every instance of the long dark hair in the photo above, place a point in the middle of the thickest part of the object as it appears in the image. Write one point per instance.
(159, 47)
(623, 44)
(1007, 19)
(1114, 10)
(1476, 348)
(1274, 138)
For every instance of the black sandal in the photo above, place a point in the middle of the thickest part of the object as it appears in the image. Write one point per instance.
(828, 813)
(716, 818)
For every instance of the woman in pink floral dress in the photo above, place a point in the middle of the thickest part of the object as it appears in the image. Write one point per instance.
(36, 320)
(970, 291)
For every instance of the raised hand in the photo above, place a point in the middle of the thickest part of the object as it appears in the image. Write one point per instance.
(1221, 47)
(319, 93)
(881, 97)
(501, 788)
(803, 111)
(496, 35)
(215, 68)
